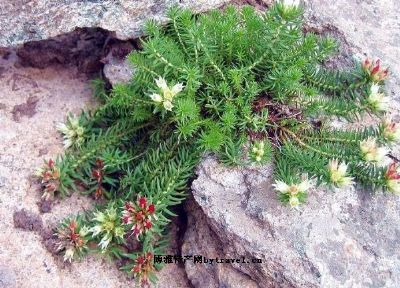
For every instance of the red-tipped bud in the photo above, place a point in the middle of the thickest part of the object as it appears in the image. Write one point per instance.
(151, 208)
(128, 206)
(75, 237)
(366, 63)
(376, 68)
(136, 230)
(99, 193)
(99, 163)
(51, 163)
(73, 225)
(139, 216)
(125, 219)
(96, 174)
(51, 187)
(148, 224)
(137, 269)
(392, 173)
(142, 202)
(140, 260)
(47, 176)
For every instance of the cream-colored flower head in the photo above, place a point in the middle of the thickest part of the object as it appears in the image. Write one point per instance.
(293, 189)
(291, 3)
(372, 153)
(73, 133)
(167, 93)
(377, 101)
(338, 173)
(391, 130)
(107, 226)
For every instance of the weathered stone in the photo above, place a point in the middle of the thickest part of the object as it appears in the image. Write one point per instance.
(24, 21)
(83, 48)
(117, 69)
(201, 240)
(338, 239)
(7, 278)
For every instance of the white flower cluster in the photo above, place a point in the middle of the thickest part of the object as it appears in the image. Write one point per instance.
(108, 226)
(167, 93)
(72, 131)
(293, 191)
(338, 174)
(373, 153)
(291, 3)
(377, 101)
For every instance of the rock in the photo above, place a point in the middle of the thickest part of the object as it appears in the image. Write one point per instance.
(117, 69)
(82, 48)
(25, 21)
(338, 239)
(7, 278)
(369, 27)
(3, 181)
(201, 240)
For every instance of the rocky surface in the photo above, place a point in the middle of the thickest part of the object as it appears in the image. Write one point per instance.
(344, 238)
(341, 238)
(82, 48)
(32, 102)
(24, 21)
(117, 69)
(200, 240)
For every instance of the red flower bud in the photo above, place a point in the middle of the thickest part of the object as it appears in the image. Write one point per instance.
(96, 174)
(376, 68)
(51, 187)
(99, 163)
(137, 269)
(47, 176)
(392, 173)
(99, 192)
(139, 216)
(74, 237)
(142, 202)
(72, 226)
(148, 224)
(136, 230)
(51, 163)
(129, 206)
(366, 64)
(125, 219)
(140, 260)
(151, 208)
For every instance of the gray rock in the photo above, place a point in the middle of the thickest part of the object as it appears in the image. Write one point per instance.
(117, 69)
(7, 278)
(370, 28)
(200, 240)
(3, 181)
(24, 21)
(338, 239)
(82, 48)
